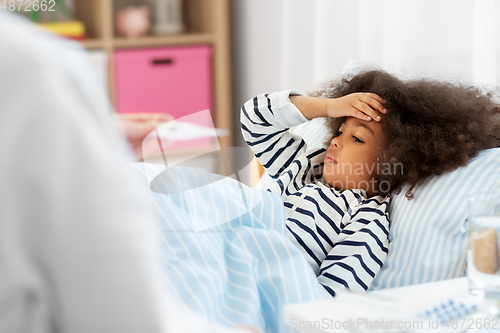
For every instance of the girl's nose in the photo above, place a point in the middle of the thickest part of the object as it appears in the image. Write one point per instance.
(335, 143)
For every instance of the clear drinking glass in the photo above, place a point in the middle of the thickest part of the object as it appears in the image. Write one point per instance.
(483, 261)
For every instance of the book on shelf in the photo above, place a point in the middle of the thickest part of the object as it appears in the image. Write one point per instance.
(70, 29)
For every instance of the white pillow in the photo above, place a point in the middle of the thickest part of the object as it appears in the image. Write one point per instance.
(427, 236)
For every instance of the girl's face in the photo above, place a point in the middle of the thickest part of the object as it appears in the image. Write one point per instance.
(351, 159)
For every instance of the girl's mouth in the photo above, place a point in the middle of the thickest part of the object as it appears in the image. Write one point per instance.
(331, 160)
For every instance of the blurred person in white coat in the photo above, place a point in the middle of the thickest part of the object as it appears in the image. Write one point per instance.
(77, 246)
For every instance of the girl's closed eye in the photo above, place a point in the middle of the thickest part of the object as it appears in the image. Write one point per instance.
(339, 133)
(357, 139)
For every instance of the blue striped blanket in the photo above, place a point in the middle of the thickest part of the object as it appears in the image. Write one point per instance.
(224, 248)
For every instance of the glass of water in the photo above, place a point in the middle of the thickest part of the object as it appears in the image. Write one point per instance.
(483, 260)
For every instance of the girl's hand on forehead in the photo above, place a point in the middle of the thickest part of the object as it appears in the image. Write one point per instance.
(364, 106)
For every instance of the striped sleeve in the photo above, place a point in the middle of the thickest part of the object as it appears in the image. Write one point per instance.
(265, 121)
(359, 251)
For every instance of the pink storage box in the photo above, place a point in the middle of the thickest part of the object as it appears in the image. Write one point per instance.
(174, 80)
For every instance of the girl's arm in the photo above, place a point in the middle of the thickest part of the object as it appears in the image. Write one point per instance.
(265, 121)
(359, 105)
(359, 251)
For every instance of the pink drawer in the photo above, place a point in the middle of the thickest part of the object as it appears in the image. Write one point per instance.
(174, 80)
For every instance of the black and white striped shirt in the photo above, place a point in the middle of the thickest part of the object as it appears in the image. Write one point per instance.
(343, 235)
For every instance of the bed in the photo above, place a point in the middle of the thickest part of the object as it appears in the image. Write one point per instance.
(226, 256)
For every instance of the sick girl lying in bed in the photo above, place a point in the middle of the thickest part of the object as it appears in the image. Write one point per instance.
(387, 135)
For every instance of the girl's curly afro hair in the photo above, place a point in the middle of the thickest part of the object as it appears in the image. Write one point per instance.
(431, 127)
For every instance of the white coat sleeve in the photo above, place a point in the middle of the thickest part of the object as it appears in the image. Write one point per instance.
(77, 246)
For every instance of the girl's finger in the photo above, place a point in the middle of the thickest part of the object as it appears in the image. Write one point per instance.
(367, 110)
(376, 97)
(360, 115)
(373, 103)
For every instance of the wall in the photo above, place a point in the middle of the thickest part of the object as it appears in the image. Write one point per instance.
(255, 43)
